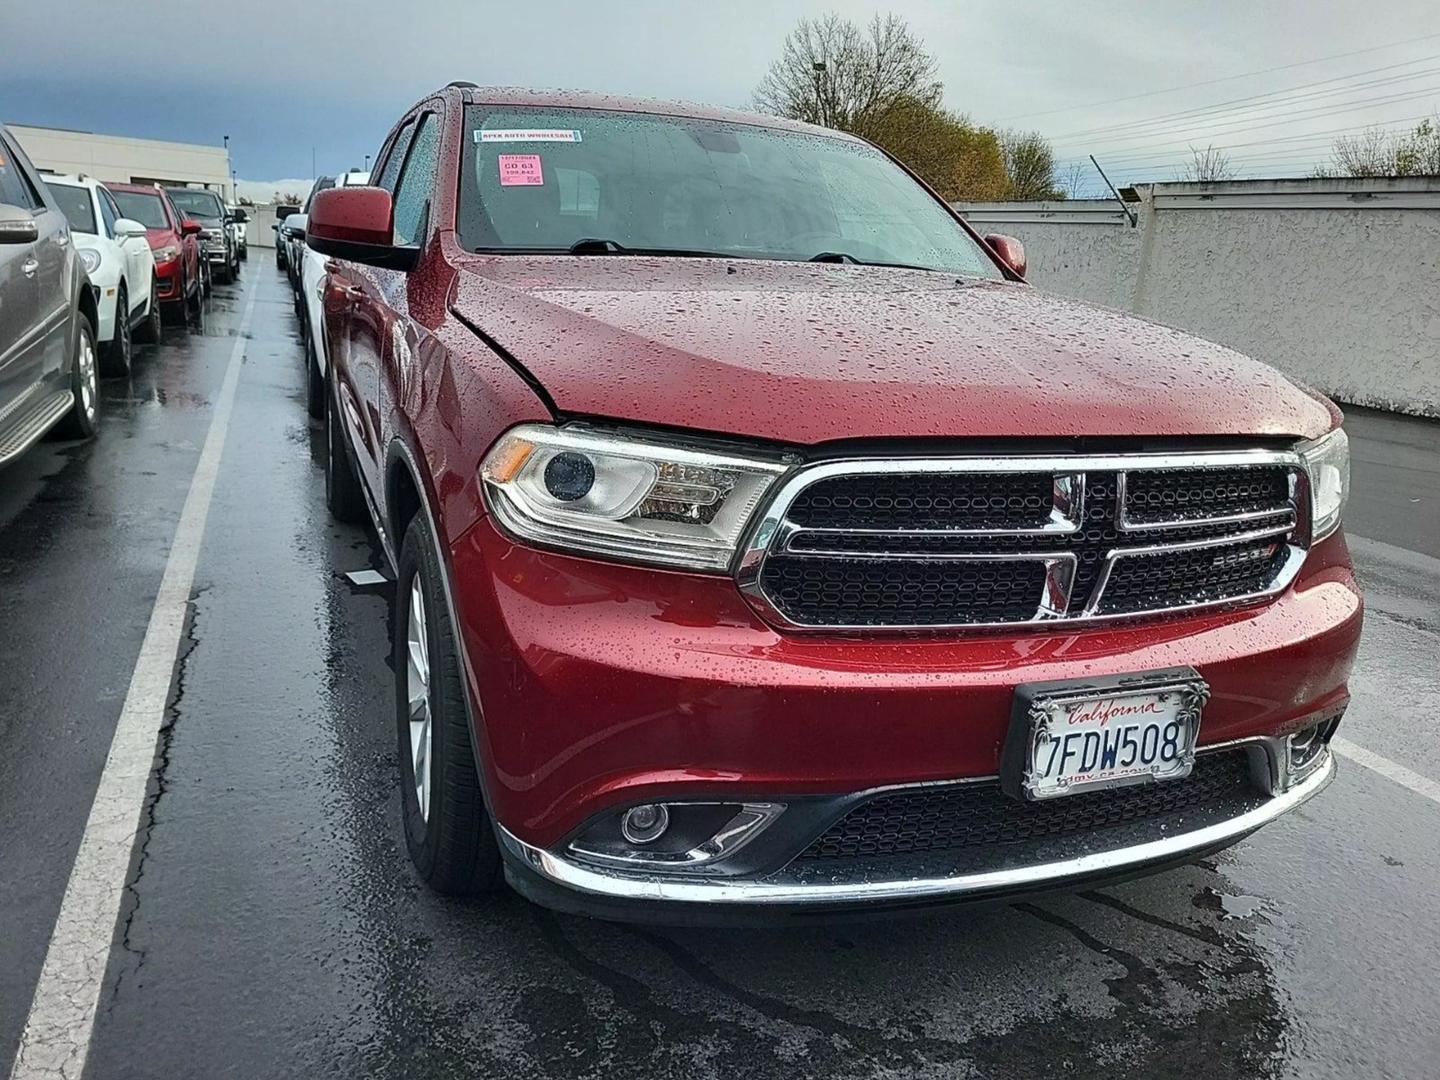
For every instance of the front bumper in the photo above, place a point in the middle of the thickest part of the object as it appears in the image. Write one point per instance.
(604, 686)
(557, 881)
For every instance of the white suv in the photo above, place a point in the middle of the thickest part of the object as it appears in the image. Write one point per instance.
(117, 258)
(311, 277)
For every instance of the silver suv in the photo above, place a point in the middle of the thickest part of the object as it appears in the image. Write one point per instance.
(47, 315)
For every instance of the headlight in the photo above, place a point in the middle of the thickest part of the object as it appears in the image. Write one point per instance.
(166, 254)
(654, 501)
(91, 258)
(1327, 461)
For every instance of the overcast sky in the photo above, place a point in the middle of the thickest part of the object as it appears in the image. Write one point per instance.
(282, 78)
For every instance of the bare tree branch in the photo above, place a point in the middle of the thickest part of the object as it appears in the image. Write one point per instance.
(1209, 164)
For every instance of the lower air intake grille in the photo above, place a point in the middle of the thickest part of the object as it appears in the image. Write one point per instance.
(970, 815)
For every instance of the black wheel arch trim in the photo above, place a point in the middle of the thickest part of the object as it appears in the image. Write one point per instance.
(400, 455)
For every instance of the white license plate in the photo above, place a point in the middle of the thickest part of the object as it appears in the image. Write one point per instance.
(1129, 731)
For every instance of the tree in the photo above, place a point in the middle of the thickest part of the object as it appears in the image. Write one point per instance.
(1208, 165)
(833, 73)
(879, 82)
(1030, 166)
(955, 157)
(1074, 180)
(1379, 151)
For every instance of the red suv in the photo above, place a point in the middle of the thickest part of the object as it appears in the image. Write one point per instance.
(765, 545)
(174, 241)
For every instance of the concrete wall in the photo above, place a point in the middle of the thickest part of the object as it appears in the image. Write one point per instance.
(1336, 282)
(123, 160)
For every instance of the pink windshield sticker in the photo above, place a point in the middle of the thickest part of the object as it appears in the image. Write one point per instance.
(520, 169)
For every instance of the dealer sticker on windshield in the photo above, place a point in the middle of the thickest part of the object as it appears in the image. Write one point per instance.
(1080, 736)
(527, 135)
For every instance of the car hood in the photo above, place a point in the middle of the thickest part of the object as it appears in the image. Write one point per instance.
(804, 353)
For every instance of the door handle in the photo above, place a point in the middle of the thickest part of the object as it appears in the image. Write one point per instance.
(29, 266)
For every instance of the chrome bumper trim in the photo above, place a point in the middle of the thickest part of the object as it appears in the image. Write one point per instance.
(560, 871)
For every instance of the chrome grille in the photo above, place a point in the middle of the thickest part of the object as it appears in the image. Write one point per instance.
(965, 542)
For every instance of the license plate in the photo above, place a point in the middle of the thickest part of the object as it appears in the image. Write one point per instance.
(1068, 737)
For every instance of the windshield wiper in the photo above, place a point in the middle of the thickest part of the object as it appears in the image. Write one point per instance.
(594, 246)
(846, 257)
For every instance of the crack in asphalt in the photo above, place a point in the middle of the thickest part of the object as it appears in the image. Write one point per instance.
(1139, 986)
(826, 1028)
(1207, 935)
(189, 642)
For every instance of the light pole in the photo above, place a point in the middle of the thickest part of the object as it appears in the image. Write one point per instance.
(232, 171)
(819, 68)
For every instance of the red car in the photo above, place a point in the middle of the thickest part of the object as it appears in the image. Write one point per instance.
(765, 545)
(174, 241)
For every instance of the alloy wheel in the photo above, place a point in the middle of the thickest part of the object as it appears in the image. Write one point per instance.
(417, 681)
(89, 390)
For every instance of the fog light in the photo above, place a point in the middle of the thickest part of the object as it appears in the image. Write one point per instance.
(1307, 747)
(645, 824)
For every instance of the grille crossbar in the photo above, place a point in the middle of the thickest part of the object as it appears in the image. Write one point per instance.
(993, 542)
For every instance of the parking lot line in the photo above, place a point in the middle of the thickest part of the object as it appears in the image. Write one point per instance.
(57, 1032)
(1391, 770)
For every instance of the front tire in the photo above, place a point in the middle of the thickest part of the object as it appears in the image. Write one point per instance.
(342, 486)
(121, 351)
(80, 422)
(447, 830)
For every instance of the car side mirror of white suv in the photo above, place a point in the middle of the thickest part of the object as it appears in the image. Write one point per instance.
(126, 228)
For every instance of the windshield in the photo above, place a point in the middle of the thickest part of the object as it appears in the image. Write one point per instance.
(544, 179)
(146, 209)
(195, 203)
(75, 204)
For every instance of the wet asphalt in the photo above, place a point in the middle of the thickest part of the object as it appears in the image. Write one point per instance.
(272, 926)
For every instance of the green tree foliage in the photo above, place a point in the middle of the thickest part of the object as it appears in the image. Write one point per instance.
(952, 155)
(1383, 152)
(879, 82)
(1030, 167)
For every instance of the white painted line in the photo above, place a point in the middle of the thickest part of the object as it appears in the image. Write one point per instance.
(62, 1013)
(1420, 785)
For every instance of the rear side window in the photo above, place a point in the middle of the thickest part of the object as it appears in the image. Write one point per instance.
(74, 203)
(412, 196)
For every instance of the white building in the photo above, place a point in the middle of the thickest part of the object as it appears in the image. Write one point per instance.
(128, 161)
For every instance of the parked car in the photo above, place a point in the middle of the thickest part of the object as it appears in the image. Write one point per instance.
(282, 211)
(48, 369)
(239, 222)
(293, 232)
(312, 294)
(117, 258)
(180, 272)
(763, 544)
(216, 242)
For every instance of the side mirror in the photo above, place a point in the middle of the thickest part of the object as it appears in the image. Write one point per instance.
(1010, 250)
(191, 227)
(357, 224)
(17, 225)
(283, 211)
(239, 217)
(128, 229)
